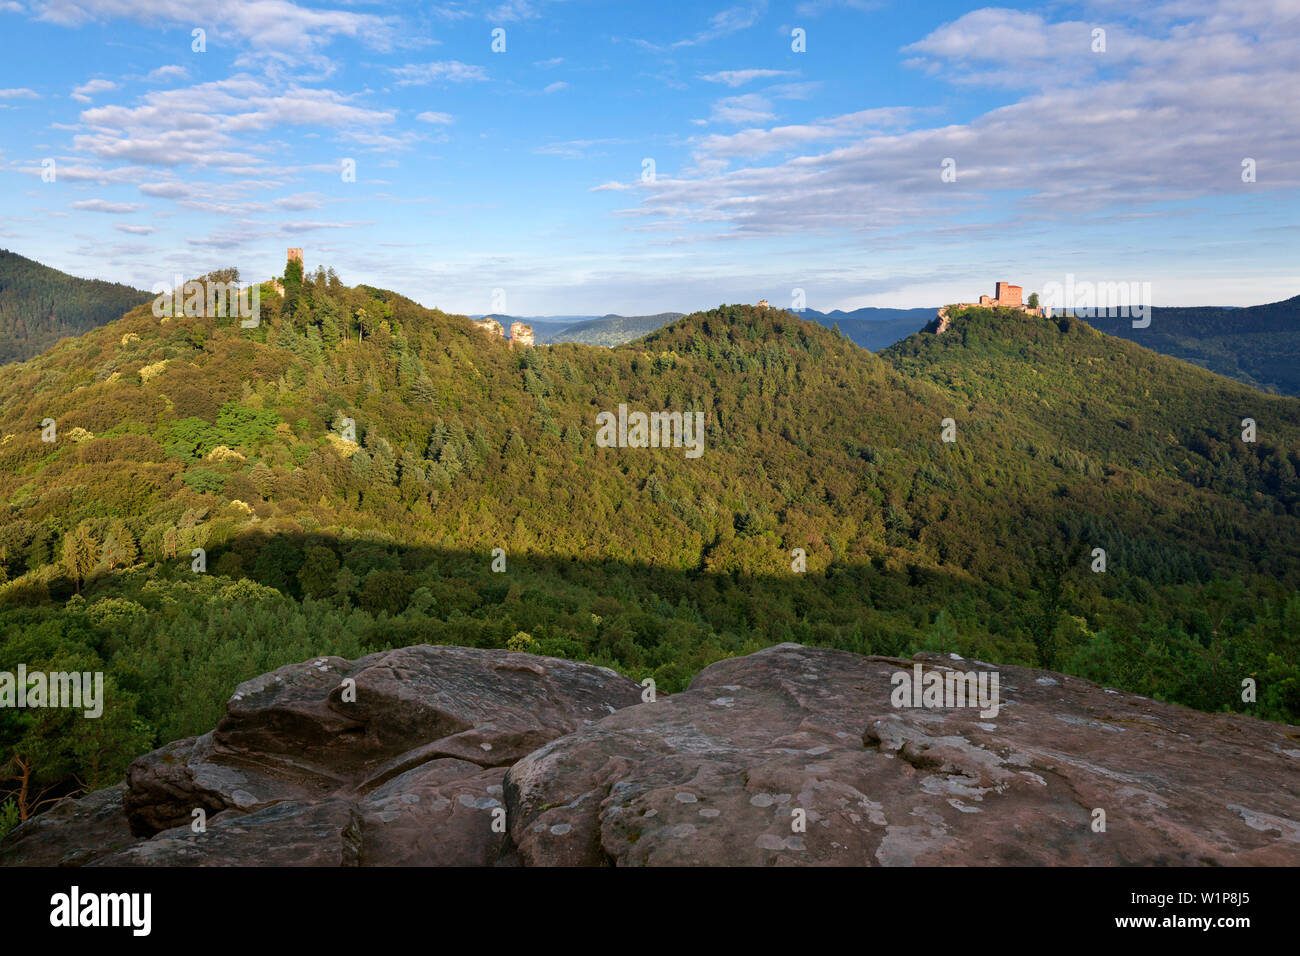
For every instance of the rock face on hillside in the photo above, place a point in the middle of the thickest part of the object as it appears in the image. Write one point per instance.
(790, 756)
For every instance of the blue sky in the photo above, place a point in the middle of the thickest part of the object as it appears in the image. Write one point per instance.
(525, 170)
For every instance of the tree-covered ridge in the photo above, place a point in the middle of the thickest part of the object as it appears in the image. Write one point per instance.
(195, 433)
(40, 305)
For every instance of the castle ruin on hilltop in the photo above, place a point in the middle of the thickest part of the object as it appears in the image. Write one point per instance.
(520, 333)
(1005, 296)
(292, 255)
(490, 325)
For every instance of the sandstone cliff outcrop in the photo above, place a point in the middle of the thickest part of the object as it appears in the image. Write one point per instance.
(789, 756)
(490, 325)
(521, 335)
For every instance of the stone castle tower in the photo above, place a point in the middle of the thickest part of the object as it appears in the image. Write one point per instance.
(295, 255)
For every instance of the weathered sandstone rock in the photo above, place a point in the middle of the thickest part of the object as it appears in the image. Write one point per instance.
(722, 774)
(71, 833)
(395, 758)
(790, 756)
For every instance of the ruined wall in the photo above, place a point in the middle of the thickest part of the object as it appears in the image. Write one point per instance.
(491, 326)
(521, 334)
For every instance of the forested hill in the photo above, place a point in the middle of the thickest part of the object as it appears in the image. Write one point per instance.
(1258, 345)
(40, 305)
(194, 433)
(613, 329)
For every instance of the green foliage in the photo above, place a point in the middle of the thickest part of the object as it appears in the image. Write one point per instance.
(205, 481)
(8, 816)
(639, 559)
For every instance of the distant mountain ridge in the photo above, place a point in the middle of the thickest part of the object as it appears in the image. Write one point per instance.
(40, 305)
(1258, 344)
(610, 330)
(870, 328)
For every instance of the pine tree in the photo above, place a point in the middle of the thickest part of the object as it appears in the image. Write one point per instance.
(80, 552)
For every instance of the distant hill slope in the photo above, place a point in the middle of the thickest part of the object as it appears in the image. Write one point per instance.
(40, 305)
(871, 328)
(608, 330)
(1258, 345)
(615, 329)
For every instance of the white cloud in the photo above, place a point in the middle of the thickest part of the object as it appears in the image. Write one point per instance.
(207, 124)
(721, 24)
(281, 26)
(288, 228)
(573, 148)
(449, 71)
(726, 22)
(1168, 121)
(436, 118)
(746, 108)
(734, 78)
(556, 87)
(513, 11)
(101, 205)
(813, 8)
(135, 230)
(451, 11)
(70, 171)
(169, 190)
(85, 91)
(749, 108)
(301, 201)
(19, 94)
(755, 143)
(168, 73)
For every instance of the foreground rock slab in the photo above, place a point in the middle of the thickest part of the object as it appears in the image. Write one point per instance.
(71, 833)
(796, 756)
(395, 758)
(792, 756)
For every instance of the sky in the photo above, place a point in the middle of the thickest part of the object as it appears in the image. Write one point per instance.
(540, 157)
